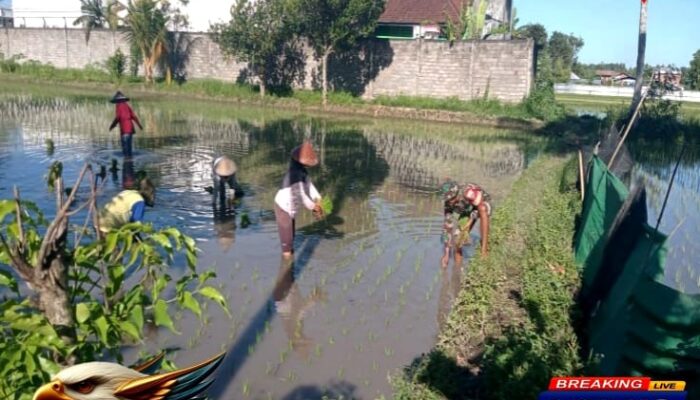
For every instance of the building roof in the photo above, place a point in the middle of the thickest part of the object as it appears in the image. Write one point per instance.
(419, 11)
(607, 73)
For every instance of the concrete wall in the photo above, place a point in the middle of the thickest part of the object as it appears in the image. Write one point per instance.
(467, 70)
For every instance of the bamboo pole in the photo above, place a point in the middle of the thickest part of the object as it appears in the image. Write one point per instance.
(580, 174)
(628, 128)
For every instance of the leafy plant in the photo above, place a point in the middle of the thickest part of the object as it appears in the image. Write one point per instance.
(470, 22)
(116, 65)
(93, 296)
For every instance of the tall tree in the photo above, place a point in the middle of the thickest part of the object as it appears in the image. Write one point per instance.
(536, 32)
(94, 15)
(255, 35)
(148, 22)
(562, 50)
(330, 25)
(641, 50)
(692, 75)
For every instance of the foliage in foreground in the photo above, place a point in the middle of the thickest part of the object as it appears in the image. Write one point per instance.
(513, 320)
(117, 288)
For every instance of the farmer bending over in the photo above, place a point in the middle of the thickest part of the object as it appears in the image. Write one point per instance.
(296, 188)
(128, 206)
(463, 206)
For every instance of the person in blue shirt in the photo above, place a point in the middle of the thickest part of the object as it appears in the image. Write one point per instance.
(128, 206)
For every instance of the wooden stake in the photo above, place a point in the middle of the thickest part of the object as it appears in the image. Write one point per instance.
(580, 174)
(628, 128)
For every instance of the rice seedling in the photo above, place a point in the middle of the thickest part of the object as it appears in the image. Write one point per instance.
(331, 340)
(344, 331)
(246, 388)
(318, 350)
(283, 355)
(340, 373)
(388, 351)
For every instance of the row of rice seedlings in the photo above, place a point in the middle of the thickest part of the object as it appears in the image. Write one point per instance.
(431, 288)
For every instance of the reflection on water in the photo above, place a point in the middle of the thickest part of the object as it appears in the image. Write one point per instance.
(365, 290)
(681, 218)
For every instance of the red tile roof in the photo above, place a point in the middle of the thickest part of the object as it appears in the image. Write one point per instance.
(419, 11)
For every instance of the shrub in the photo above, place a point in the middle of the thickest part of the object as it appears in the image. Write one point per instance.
(116, 65)
(541, 102)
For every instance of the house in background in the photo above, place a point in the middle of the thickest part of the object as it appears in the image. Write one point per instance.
(414, 19)
(6, 20)
(614, 78)
(671, 78)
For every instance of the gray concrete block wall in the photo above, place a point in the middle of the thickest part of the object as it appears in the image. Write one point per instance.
(467, 70)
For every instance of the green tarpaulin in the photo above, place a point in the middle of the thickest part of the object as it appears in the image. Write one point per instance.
(638, 325)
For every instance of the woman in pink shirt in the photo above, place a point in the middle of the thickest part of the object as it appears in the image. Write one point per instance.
(124, 117)
(296, 190)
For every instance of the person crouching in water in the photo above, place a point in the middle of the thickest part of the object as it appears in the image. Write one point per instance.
(296, 188)
(125, 117)
(128, 206)
(224, 173)
(463, 206)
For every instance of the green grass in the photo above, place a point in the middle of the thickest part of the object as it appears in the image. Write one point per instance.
(481, 107)
(603, 103)
(511, 327)
(96, 76)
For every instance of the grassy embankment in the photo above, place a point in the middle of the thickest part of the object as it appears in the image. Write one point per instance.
(486, 111)
(604, 103)
(511, 327)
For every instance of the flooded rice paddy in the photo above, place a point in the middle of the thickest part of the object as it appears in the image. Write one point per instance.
(365, 293)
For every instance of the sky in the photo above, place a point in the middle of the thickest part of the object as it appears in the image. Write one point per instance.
(610, 28)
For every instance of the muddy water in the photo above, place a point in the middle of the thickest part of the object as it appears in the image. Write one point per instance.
(365, 293)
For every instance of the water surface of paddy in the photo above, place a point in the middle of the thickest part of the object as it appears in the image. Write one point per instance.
(365, 294)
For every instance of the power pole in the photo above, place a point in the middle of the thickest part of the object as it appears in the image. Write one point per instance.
(641, 50)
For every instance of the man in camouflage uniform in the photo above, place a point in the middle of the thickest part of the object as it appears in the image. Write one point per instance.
(464, 204)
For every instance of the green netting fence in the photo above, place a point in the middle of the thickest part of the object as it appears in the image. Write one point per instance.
(635, 324)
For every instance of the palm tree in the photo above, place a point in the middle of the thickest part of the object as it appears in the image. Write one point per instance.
(112, 13)
(93, 16)
(147, 21)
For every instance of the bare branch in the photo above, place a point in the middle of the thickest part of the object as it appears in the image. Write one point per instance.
(16, 262)
(18, 208)
(58, 226)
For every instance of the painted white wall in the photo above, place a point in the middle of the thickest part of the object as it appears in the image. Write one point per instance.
(49, 13)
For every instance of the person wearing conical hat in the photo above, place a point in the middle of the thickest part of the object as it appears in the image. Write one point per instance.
(224, 173)
(125, 117)
(297, 189)
(463, 206)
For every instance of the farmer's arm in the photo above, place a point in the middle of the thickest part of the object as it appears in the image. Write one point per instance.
(137, 211)
(315, 195)
(484, 223)
(114, 123)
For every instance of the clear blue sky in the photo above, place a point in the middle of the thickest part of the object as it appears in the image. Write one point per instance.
(610, 28)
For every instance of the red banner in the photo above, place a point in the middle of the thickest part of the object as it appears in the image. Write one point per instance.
(600, 383)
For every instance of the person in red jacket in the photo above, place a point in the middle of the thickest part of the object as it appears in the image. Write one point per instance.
(125, 117)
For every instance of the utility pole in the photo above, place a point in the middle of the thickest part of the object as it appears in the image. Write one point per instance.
(641, 50)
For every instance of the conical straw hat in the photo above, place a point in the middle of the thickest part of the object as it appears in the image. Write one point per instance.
(305, 154)
(224, 166)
